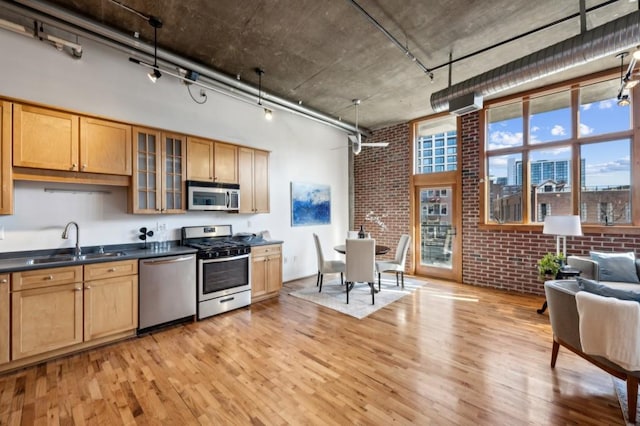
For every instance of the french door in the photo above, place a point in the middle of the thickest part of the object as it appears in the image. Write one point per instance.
(437, 231)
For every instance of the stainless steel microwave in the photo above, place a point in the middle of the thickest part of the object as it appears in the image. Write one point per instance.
(213, 196)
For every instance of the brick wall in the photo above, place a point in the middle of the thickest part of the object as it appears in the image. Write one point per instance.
(499, 259)
(381, 185)
(507, 259)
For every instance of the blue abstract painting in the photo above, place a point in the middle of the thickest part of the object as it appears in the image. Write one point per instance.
(310, 204)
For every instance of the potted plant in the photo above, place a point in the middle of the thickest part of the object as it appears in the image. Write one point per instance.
(549, 266)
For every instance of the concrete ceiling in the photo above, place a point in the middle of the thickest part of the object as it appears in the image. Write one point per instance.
(326, 53)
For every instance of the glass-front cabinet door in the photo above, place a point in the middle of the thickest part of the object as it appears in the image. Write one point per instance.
(159, 172)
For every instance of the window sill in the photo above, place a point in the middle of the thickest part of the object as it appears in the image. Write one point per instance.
(586, 229)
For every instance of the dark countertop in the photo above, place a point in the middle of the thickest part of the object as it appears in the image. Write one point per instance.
(20, 261)
(264, 242)
(23, 261)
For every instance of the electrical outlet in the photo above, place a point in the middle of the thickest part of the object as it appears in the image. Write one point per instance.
(286, 259)
(248, 224)
(1, 232)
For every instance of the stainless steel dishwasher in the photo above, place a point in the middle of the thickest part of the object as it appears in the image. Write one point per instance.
(167, 291)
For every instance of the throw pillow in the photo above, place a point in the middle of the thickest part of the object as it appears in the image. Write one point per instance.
(606, 291)
(616, 266)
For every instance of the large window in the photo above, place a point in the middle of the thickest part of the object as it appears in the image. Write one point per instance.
(436, 146)
(542, 150)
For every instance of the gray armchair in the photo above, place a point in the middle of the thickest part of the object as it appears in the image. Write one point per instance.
(563, 314)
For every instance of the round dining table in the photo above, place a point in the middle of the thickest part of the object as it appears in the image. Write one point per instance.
(380, 249)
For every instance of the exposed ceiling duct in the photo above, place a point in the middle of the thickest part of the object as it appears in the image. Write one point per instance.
(614, 36)
(80, 25)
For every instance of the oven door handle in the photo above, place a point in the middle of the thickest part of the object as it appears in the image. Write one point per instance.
(228, 199)
(224, 259)
(161, 261)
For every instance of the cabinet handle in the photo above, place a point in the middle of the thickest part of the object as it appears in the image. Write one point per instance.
(88, 287)
(84, 166)
(4, 281)
(77, 289)
(73, 166)
(48, 277)
(111, 270)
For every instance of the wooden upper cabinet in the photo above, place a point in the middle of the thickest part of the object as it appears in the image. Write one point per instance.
(200, 159)
(147, 173)
(245, 179)
(44, 138)
(261, 181)
(6, 179)
(105, 147)
(253, 177)
(225, 159)
(211, 161)
(57, 140)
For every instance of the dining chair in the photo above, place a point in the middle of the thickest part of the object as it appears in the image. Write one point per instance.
(327, 266)
(352, 234)
(361, 264)
(397, 264)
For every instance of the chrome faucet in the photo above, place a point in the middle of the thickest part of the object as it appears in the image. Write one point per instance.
(65, 235)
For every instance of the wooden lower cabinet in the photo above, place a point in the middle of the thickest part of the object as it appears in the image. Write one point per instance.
(54, 312)
(266, 271)
(45, 319)
(110, 304)
(4, 318)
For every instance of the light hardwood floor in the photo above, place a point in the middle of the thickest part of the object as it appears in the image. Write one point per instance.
(447, 354)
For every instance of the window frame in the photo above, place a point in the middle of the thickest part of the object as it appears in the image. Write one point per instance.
(574, 142)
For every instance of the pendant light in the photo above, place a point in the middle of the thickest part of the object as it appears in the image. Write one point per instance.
(155, 23)
(268, 114)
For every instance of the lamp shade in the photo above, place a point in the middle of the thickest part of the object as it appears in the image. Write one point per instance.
(566, 225)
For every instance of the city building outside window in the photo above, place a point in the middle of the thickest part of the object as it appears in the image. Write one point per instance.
(530, 150)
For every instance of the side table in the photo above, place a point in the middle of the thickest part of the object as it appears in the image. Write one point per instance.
(563, 274)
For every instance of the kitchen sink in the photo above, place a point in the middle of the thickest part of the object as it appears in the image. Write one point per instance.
(70, 258)
(101, 255)
(50, 259)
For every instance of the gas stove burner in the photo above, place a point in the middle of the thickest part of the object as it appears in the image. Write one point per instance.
(213, 241)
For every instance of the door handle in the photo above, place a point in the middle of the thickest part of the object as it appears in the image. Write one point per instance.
(161, 262)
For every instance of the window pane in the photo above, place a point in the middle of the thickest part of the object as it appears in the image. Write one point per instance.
(599, 111)
(436, 133)
(550, 118)
(505, 126)
(505, 193)
(606, 172)
(550, 176)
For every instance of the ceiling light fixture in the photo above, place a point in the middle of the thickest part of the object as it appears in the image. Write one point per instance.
(626, 82)
(155, 23)
(268, 114)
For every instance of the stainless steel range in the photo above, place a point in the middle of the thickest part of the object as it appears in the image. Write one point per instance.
(223, 269)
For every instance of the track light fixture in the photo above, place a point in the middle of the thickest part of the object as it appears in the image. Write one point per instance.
(623, 100)
(259, 71)
(268, 114)
(626, 80)
(155, 23)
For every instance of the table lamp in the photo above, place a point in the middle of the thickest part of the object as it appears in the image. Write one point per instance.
(562, 226)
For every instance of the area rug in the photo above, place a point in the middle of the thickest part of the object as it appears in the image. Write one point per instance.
(621, 390)
(334, 296)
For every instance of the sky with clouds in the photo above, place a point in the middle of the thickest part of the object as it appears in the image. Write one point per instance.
(606, 163)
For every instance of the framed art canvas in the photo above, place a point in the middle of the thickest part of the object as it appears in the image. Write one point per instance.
(310, 204)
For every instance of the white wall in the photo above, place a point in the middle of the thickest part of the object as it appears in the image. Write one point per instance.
(105, 83)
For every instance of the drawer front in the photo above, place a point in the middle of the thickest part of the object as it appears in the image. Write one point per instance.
(266, 250)
(96, 271)
(40, 278)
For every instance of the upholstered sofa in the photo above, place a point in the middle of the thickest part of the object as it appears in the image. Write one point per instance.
(565, 322)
